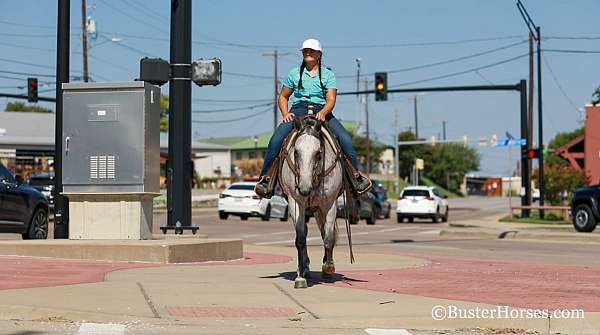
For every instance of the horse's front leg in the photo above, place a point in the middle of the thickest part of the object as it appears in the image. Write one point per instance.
(329, 234)
(297, 214)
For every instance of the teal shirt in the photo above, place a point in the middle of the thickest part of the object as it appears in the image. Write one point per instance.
(311, 91)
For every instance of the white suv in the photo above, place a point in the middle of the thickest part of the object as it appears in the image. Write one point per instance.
(422, 202)
(240, 200)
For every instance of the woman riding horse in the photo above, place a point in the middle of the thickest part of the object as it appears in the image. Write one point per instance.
(314, 88)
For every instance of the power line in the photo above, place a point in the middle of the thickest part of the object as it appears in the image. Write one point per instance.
(234, 120)
(454, 74)
(231, 109)
(572, 37)
(29, 74)
(136, 19)
(571, 51)
(448, 61)
(230, 100)
(561, 89)
(144, 10)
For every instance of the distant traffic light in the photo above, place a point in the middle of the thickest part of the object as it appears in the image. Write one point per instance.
(533, 153)
(380, 86)
(32, 89)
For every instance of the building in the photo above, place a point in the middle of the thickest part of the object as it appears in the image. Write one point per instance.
(27, 147)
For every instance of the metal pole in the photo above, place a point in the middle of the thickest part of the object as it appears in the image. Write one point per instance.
(525, 172)
(396, 155)
(444, 129)
(275, 97)
(61, 203)
(416, 119)
(84, 45)
(179, 171)
(357, 76)
(530, 106)
(540, 123)
(368, 164)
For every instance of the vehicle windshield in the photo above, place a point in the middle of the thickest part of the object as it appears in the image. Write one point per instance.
(415, 193)
(242, 187)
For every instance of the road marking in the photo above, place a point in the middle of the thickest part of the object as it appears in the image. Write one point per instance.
(148, 301)
(101, 329)
(284, 292)
(341, 236)
(374, 331)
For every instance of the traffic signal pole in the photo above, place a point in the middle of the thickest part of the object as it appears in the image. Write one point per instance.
(61, 203)
(520, 87)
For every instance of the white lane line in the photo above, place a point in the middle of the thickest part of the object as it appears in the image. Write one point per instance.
(341, 236)
(101, 329)
(374, 331)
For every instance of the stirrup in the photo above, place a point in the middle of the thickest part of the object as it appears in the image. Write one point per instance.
(262, 188)
(363, 186)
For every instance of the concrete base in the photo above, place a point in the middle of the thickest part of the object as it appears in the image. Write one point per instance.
(165, 251)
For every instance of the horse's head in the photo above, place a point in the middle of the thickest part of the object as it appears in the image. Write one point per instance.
(307, 153)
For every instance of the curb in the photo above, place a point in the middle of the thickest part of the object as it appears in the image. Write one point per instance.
(514, 234)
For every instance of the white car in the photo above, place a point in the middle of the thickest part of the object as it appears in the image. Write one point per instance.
(240, 200)
(422, 202)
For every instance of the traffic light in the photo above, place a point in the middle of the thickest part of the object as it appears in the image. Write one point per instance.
(533, 153)
(32, 89)
(380, 86)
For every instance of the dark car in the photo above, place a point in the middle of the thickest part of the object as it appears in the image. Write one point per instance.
(23, 209)
(586, 208)
(44, 182)
(365, 208)
(382, 205)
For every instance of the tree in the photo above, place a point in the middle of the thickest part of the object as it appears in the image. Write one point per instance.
(558, 141)
(449, 163)
(17, 106)
(560, 182)
(164, 113)
(408, 153)
(360, 143)
(596, 96)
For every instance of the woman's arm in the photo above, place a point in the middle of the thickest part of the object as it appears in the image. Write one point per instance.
(329, 104)
(282, 102)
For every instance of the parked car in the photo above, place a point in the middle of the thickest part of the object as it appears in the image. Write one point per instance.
(23, 209)
(44, 182)
(365, 205)
(239, 199)
(422, 202)
(586, 208)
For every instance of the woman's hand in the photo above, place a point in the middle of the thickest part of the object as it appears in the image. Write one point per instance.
(288, 117)
(321, 116)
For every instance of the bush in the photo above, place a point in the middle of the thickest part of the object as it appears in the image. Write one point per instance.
(560, 182)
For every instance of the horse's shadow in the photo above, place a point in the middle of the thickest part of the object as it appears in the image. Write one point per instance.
(316, 278)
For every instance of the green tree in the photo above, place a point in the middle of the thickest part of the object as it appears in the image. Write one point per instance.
(596, 96)
(448, 164)
(164, 113)
(17, 106)
(360, 143)
(408, 153)
(560, 182)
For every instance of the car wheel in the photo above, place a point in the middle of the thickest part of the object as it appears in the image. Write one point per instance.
(285, 216)
(223, 215)
(436, 217)
(583, 219)
(244, 217)
(387, 213)
(38, 227)
(373, 217)
(267, 214)
(411, 220)
(399, 219)
(445, 217)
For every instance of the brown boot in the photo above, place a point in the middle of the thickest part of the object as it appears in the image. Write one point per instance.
(262, 187)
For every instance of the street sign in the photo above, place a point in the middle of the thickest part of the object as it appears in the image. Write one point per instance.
(512, 142)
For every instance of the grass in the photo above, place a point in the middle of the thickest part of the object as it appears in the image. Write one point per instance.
(428, 182)
(552, 217)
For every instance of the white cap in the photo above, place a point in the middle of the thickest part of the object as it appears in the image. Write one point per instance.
(312, 43)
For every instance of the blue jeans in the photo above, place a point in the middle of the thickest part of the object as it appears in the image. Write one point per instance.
(284, 129)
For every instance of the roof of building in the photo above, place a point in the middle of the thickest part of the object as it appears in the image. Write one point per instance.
(261, 141)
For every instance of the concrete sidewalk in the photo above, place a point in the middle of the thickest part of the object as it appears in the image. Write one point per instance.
(255, 295)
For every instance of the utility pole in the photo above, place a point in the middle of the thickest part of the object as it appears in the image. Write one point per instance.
(61, 203)
(536, 31)
(276, 54)
(396, 154)
(84, 45)
(357, 76)
(530, 106)
(444, 129)
(416, 119)
(368, 164)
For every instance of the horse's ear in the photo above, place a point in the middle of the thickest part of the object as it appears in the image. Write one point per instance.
(318, 126)
(297, 124)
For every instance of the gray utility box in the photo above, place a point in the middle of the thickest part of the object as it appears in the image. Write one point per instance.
(111, 158)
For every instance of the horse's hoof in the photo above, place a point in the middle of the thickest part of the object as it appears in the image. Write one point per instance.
(328, 269)
(300, 283)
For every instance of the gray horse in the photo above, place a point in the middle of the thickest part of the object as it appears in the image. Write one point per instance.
(312, 176)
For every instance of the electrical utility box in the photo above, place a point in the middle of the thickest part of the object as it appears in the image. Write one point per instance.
(111, 158)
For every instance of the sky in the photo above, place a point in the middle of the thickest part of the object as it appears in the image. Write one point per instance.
(406, 38)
